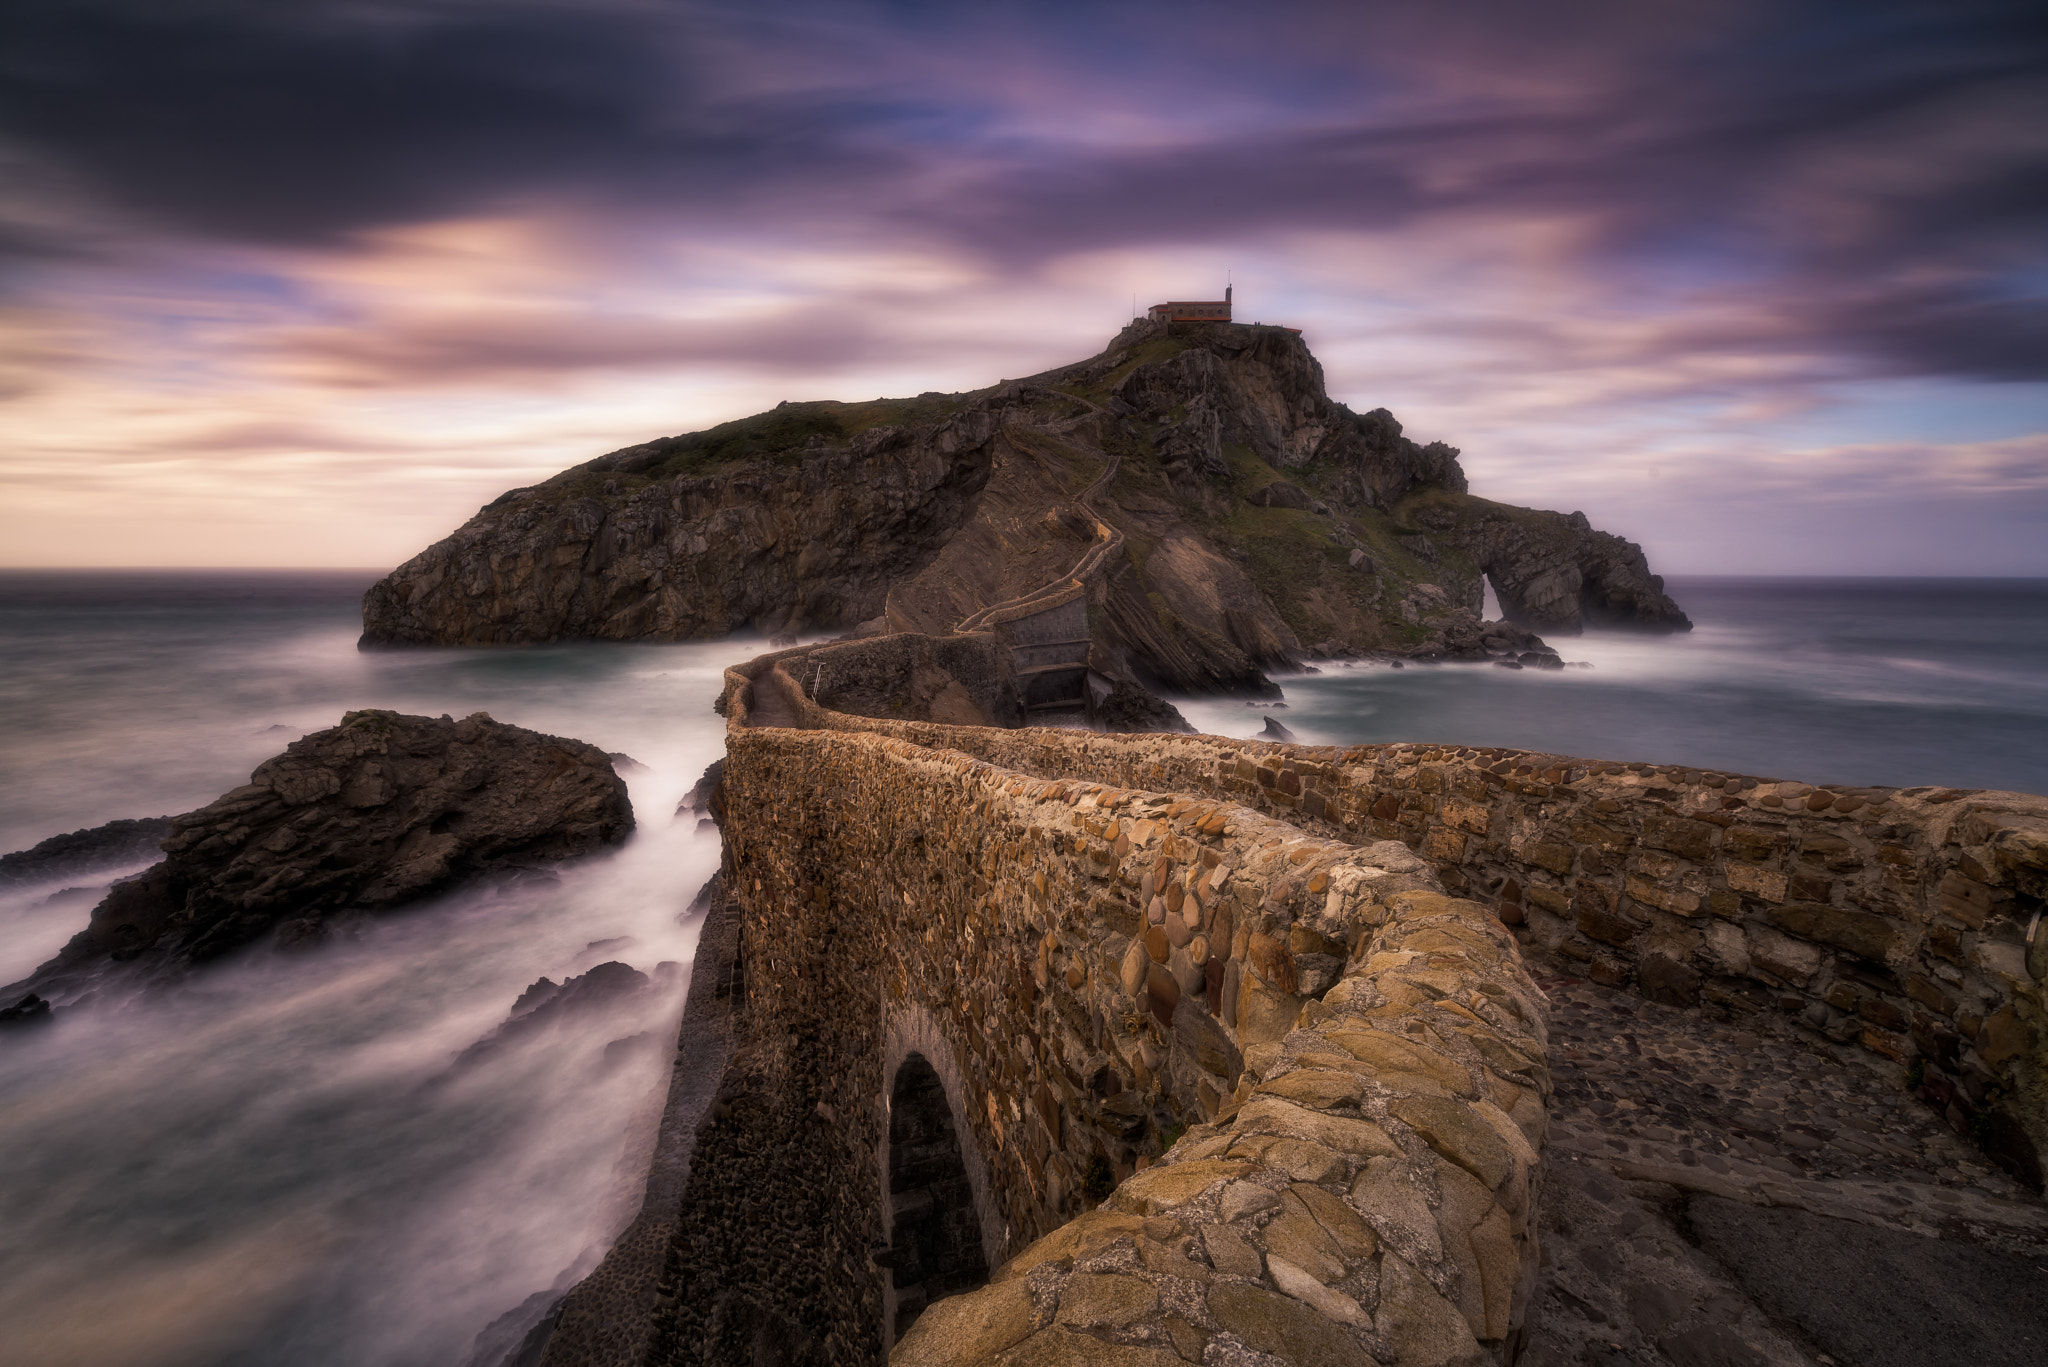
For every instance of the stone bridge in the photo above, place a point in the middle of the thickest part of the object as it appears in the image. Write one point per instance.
(1225, 1052)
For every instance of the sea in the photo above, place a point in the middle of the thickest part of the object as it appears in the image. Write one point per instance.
(282, 1164)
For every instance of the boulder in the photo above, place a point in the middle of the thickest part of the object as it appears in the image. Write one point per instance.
(381, 810)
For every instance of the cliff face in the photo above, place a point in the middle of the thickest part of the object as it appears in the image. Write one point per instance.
(1225, 515)
(801, 517)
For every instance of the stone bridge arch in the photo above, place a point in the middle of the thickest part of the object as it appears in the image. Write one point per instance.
(942, 1228)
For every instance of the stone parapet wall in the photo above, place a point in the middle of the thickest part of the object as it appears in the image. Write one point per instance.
(1357, 1059)
(1905, 922)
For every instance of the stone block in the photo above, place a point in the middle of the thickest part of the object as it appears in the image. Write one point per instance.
(1320, 1088)
(1608, 971)
(1466, 816)
(970, 1328)
(1810, 887)
(1303, 1161)
(1264, 1014)
(1162, 992)
(1131, 975)
(1295, 1235)
(1792, 961)
(1092, 1300)
(1677, 901)
(1230, 1254)
(1544, 855)
(1752, 843)
(1267, 1322)
(1343, 1224)
(1860, 932)
(1682, 836)
(1383, 1053)
(1608, 927)
(1667, 981)
(1276, 1115)
(1421, 1326)
(2003, 1038)
(1924, 991)
(1160, 1189)
(1273, 961)
(1459, 1134)
(1726, 948)
(1766, 884)
(1964, 898)
(1198, 1034)
(1593, 835)
(1444, 843)
(1080, 1237)
(1830, 852)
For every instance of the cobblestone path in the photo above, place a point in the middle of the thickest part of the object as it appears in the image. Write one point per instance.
(1728, 1192)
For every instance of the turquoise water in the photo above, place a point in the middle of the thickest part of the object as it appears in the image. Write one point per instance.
(253, 1173)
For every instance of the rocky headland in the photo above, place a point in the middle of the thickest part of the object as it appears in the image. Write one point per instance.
(1193, 485)
(380, 810)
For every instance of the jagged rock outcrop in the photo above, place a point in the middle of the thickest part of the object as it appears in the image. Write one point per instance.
(1222, 512)
(380, 810)
(548, 1005)
(93, 850)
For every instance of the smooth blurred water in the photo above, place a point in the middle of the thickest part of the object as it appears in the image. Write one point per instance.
(275, 1166)
(1851, 681)
(261, 1171)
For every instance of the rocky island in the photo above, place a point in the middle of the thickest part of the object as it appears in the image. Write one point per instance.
(1208, 509)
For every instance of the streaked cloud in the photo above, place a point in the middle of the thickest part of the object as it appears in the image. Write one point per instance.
(352, 266)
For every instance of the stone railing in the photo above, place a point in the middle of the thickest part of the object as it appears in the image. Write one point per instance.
(1905, 922)
(1309, 1084)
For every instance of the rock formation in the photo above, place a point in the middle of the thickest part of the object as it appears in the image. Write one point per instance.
(548, 1005)
(94, 850)
(1219, 511)
(380, 810)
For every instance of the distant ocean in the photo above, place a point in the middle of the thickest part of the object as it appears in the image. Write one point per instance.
(253, 1172)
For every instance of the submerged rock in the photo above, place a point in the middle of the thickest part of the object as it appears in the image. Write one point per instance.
(701, 799)
(547, 1005)
(73, 853)
(30, 1010)
(378, 811)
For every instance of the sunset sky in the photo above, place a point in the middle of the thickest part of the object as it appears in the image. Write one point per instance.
(1759, 285)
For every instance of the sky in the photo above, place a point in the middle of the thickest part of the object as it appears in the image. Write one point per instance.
(1762, 286)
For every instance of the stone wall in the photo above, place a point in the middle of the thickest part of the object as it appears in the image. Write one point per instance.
(1310, 1084)
(1902, 921)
